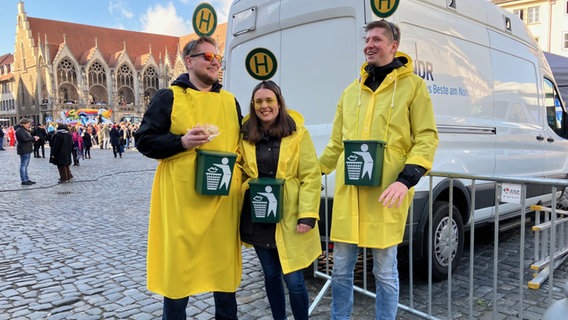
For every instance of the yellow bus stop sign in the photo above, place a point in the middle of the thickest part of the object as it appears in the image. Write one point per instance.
(261, 64)
(384, 8)
(204, 20)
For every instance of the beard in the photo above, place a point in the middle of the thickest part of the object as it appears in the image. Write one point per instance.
(206, 78)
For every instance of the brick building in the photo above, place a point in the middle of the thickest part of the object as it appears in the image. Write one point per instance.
(60, 66)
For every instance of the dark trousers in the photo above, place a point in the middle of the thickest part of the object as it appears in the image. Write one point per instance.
(75, 154)
(64, 173)
(225, 307)
(37, 147)
(116, 150)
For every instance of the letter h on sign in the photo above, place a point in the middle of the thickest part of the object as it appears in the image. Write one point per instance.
(258, 64)
(202, 19)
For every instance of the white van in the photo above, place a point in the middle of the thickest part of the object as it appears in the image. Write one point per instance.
(497, 108)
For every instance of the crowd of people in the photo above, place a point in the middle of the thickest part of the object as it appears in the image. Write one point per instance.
(91, 135)
(28, 138)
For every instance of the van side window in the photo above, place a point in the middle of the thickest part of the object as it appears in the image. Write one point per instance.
(555, 114)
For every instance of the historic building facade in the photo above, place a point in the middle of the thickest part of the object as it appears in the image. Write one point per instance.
(546, 19)
(60, 66)
(7, 101)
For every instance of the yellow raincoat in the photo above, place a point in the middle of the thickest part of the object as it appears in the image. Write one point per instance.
(400, 113)
(193, 239)
(298, 164)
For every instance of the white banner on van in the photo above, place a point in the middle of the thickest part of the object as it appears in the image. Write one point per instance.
(511, 193)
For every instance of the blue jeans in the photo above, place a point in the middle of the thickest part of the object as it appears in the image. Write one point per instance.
(24, 162)
(225, 307)
(297, 290)
(385, 271)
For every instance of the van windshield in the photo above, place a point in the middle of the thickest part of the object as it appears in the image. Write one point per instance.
(555, 114)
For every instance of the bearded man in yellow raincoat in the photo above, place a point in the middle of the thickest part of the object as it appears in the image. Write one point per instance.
(193, 239)
(387, 103)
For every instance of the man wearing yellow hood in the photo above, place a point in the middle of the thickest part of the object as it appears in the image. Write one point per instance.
(387, 103)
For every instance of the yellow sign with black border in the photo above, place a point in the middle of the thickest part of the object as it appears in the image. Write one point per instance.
(261, 64)
(384, 8)
(204, 20)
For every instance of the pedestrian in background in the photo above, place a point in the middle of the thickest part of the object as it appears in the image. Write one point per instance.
(123, 132)
(87, 142)
(115, 137)
(92, 129)
(275, 144)
(12, 136)
(104, 136)
(193, 239)
(61, 150)
(389, 103)
(41, 133)
(77, 145)
(25, 148)
(51, 128)
(2, 134)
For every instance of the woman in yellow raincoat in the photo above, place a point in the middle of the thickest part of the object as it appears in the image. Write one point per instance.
(275, 144)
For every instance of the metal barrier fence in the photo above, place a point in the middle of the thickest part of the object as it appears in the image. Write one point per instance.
(496, 281)
(551, 240)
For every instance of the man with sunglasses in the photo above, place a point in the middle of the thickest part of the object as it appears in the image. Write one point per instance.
(193, 240)
(388, 103)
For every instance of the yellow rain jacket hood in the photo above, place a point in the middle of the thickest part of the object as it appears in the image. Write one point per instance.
(400, 113)
(298, 164)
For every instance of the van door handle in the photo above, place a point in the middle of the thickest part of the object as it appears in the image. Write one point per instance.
(549, 139)
(539, 138)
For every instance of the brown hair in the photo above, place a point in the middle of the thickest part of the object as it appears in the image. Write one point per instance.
(283, 126)
(193, 44)
(394, 33)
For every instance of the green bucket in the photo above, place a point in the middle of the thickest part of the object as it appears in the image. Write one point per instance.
(363, 162)
(214, 172)
(266, 199)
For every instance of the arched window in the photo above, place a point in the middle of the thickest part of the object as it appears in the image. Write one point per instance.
(66, 72)
(67, 82)
(97, 74)
(124, 76)
(151, 84)
(125, 82)
(97, 84)
(150, 79)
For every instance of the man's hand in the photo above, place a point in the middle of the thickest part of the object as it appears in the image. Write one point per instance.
(303, 228)
(194, 138)
(393, 195)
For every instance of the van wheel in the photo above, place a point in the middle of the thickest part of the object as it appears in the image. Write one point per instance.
(447, 240)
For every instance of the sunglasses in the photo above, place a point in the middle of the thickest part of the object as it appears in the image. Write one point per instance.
(208, 56)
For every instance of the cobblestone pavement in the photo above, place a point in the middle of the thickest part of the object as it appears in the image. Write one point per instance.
(77, 251)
